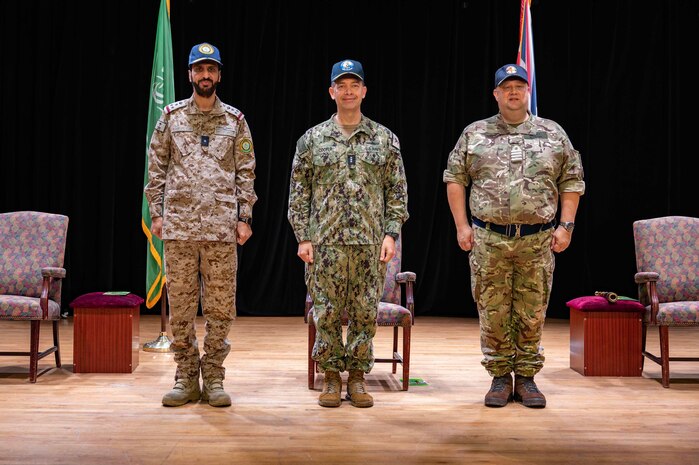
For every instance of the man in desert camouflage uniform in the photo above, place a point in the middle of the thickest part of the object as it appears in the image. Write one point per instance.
(518, 166)
(200, 193)
(347, 203)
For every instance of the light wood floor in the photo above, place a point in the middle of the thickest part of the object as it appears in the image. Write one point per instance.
(68, 418)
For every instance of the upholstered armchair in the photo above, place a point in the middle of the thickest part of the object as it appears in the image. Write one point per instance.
(667, 261)
(32, 248)
(392, 312)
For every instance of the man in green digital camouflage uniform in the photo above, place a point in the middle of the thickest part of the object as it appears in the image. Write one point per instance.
(200, 194)
(347, 202)
(518, 167)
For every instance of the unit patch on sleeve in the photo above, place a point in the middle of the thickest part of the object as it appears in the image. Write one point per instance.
(245, 145)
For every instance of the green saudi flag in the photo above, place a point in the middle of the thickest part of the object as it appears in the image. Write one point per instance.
(162, 93)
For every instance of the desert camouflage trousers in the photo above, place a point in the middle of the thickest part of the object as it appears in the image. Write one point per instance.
(511, 281)
(201, 271)
(345, 278)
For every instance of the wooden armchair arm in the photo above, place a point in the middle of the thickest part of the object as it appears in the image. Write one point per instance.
(49, 274)
(307, 307)
(408, 278)
(649, 278)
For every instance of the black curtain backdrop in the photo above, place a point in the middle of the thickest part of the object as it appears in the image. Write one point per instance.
(616, 75)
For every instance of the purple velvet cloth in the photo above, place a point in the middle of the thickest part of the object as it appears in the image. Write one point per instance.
(99, 300)
(593, 302)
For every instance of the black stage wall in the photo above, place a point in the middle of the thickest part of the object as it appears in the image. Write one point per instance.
(619, 76)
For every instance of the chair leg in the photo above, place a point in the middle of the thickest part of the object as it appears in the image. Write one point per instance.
(57, 343)
(644, 333)
(311, 362)
(395, 348)
(406, 357)
(665, 354)
(34, 350)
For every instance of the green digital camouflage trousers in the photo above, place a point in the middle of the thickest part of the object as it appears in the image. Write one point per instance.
(511, 281)
(345, 278)
(203, 271)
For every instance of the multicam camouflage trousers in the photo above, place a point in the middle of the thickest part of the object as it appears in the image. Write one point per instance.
(511, 282)
(345, 278)
(203, 271)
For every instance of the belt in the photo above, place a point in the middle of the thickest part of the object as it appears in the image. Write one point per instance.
(513, 230)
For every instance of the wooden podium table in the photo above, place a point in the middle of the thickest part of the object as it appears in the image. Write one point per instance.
(606, 338)
(106, 333)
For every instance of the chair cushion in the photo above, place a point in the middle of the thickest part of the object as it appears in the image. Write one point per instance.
(599, 303)
(388, 315)
(676, 314)
(393, 315)
(17, 307)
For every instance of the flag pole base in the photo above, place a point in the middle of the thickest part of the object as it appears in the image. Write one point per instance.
(162, 344)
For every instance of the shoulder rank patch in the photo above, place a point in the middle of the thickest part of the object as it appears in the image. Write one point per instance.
(233, 110)
(161, 125)
(175, 106)
(245, 145)
(394, 142)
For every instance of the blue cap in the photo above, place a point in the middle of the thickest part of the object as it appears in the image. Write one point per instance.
(204, 52)
(510, 71)
(343, 67)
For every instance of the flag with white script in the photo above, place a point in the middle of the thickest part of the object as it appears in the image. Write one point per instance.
(162, 93)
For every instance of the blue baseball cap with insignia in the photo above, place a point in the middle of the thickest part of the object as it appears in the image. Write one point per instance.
(204, 52)
(343, 67)
(510, 71)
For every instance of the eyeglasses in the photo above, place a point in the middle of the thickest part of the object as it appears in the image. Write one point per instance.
(520, 89)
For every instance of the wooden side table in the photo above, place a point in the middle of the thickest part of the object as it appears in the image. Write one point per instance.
(606, 338)
(106, 333)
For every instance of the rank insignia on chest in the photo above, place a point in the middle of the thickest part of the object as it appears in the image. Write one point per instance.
(516, 153)
(204, 141)
(351, 160)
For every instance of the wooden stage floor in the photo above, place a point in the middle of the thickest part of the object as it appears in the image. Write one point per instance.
(68, 418)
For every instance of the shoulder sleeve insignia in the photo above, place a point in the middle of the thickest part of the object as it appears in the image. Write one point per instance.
(301, 146)
(234, 111)
(175, 106)
(245, 145)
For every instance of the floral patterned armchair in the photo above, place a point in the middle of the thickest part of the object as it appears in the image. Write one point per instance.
(32, 248)
(391, 313)
(667, 261)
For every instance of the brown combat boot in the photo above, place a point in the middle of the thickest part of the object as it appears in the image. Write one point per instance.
(356, 390)
(527, 392)
(185, 390)
(213, 393)
(500, 391)
(332, 389)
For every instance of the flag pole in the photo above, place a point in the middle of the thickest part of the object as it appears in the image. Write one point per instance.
(162, 343)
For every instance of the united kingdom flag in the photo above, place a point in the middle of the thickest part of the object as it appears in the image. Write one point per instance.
(525, 54)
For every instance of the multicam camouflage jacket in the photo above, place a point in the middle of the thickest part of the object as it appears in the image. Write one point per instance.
(516, 173)
(201, 170)
(347, 191)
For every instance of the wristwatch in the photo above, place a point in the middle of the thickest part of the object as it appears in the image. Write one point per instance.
(247, 221)
(567, 225)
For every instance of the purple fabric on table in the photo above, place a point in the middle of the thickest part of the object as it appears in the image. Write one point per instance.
(594, 302)
(99, 300)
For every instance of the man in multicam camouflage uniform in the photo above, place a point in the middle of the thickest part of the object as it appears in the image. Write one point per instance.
(200, 193)
(347, 202)
(517, 166)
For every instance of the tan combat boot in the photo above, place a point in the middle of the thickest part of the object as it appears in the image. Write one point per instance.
(213, 393)
(356, 390)
(332, 389)
(185, 390)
